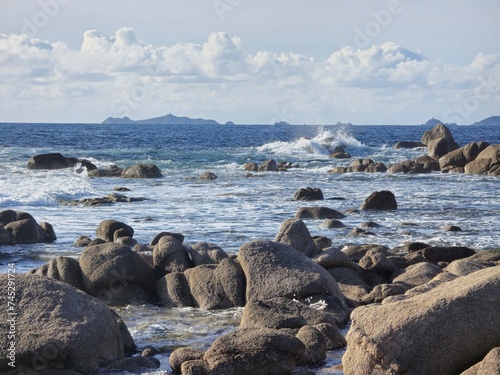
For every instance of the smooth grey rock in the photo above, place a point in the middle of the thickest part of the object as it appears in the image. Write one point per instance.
(408, 336)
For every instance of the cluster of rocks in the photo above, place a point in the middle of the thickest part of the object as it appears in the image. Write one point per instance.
(360, 165)
(448, 325)
(58, 161)
(109, 199)
(269, 165)
(134, 171)
(443, 154)
(18, 227)
(378, 200)
(293, 307)
(297, 291)
(421, 164)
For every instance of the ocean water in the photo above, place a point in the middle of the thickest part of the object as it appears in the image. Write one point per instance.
(234, 209)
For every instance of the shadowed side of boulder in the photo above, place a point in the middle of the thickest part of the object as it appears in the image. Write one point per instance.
(59, 327)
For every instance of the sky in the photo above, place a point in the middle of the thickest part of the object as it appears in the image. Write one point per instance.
(250, 61)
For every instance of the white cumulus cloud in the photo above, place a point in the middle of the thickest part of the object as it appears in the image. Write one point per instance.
(117, 75)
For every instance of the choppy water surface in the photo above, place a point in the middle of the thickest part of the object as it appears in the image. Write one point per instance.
(235, 209)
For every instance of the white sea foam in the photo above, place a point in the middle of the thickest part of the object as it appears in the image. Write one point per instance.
(43, 187)
(322, 144)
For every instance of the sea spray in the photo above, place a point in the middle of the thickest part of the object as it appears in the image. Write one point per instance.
(321, 145)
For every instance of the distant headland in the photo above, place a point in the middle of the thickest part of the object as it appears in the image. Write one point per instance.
(493, 120)
(169, 119)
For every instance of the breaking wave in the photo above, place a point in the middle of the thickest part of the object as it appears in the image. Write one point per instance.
(322, 144)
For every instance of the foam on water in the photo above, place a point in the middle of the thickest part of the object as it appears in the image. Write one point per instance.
(39, 188)
(322, 144)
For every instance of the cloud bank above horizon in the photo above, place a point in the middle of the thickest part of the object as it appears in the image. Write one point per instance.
(121, 75)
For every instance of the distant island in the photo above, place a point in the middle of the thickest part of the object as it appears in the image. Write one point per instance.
(169, 119)
(434, 121)
(493, 120)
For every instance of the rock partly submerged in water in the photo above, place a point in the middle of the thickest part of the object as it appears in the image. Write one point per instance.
(142, 171)
(421, 164)
(109, 230)
(380, 200)
(57, 161)
(459, 158)
(113, 171)
(360, 165)
(308, 194)
(408, 144)
(109, 199)
(269, 165)
(318, 213)
(18, 227)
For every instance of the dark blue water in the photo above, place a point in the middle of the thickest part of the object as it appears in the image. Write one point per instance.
(99, 137)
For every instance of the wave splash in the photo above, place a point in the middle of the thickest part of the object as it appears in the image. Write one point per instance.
(322, 144)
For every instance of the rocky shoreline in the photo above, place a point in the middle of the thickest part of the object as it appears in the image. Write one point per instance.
(297, 293)
(417, 309)
(443, 154)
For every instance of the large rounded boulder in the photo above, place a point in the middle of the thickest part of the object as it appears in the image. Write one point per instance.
(461, 157)
(318, 213)
(445, 330)
(308, 194)
(170, 255)
(380, 200)
(58, 327)
(220, 286)
(439, 141)
(294, 232)
(63, 269)
(107, 228)
(206, 253)
(115, 273)
(249, 352)
(17, 227)
(487, 162)
(28, 231)
(142, 171)
(274, 269)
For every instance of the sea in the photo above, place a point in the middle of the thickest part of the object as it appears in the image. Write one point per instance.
(238, 206)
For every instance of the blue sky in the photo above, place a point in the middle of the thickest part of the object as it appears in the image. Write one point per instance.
(250, 61)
